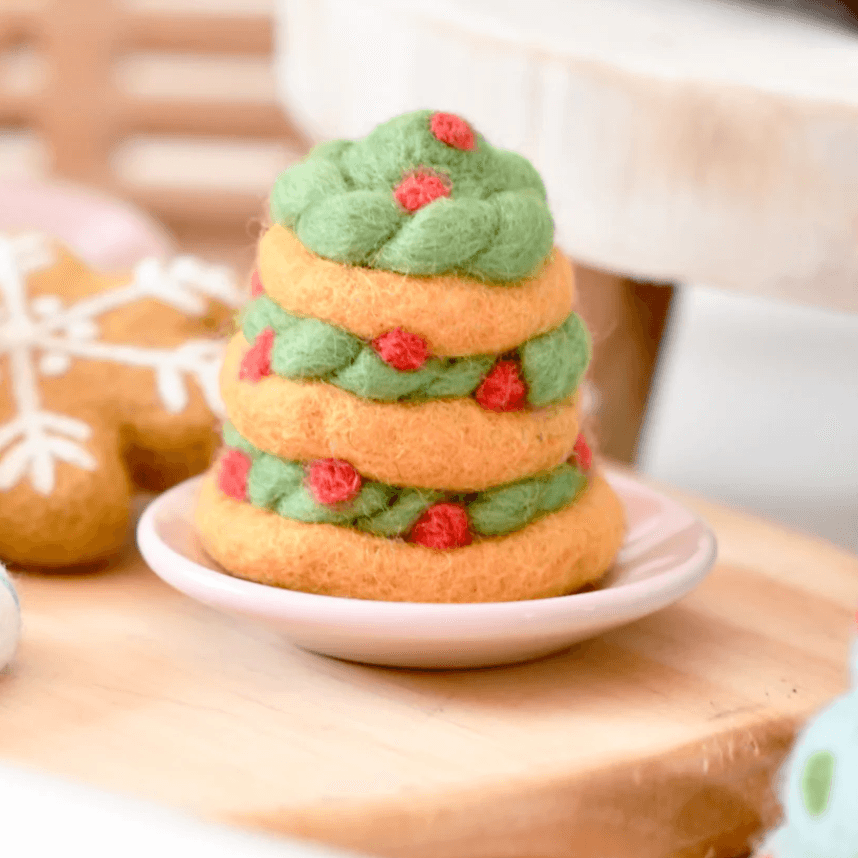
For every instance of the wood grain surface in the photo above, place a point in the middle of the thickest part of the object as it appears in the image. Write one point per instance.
(660, 739)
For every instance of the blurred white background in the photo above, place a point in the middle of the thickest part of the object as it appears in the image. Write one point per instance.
(46, 816)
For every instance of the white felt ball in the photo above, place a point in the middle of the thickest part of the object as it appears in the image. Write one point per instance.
(10, 618)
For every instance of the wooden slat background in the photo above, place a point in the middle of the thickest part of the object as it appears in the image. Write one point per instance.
(100, 91)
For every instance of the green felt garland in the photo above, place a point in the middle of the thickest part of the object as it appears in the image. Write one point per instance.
(552, 363)
(495, 225)
(279, 485)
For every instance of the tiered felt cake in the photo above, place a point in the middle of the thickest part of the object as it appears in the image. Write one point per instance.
(402, 396)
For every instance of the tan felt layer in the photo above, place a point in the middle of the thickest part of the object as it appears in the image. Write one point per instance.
(556, 555)
(451, 444)
(455, 315)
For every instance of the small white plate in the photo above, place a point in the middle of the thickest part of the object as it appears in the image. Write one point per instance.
(667, 553)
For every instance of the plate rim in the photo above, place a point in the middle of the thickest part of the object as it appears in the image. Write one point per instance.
(251, 597)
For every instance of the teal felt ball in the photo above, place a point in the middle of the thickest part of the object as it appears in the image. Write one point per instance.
(819, 785)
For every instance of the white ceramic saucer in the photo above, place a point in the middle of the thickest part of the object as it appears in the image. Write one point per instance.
(667, 552)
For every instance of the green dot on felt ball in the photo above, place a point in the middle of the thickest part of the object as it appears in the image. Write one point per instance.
(816, 782)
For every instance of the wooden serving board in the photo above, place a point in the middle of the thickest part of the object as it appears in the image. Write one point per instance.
(660, 739)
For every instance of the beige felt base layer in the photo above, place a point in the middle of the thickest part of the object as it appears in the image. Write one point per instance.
(456, 316)
(556, 555)
(452, 444)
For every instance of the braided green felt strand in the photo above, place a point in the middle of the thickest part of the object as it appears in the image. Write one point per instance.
(495, 225)
(507, 508)
(279, 485)
(552, 363)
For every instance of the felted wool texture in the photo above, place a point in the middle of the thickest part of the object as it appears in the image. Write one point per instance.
(333, 481)
(442, 526)
(818, 784)
(305, 348)
(452, 443)
(85, 519)
(345, 202)
(455, 315)
(554, 363)
(453, 130)
(554, 556)
(419, 188)
(285, 487)
(503, 388)
(401, 349)
(135, 442)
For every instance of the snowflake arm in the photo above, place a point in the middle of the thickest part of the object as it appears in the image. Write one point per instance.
(183, 283)
(200, 359)
(38, 448)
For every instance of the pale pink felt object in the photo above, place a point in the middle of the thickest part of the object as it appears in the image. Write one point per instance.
(106, 232)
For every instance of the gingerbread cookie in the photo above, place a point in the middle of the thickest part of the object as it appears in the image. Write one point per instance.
(109, 384)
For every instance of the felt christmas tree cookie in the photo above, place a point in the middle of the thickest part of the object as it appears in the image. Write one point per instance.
(403, 417)
(107, 383)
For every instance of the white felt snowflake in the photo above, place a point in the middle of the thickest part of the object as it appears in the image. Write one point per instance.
(43, 336)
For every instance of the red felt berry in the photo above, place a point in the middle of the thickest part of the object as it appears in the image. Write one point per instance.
(442, 525)
(333, 481)
(256, 363)
(232, 478)
(421, 187)
(401, 350)
(453, 130)
(256, 288)
(503, 389)
(583, 454)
